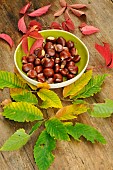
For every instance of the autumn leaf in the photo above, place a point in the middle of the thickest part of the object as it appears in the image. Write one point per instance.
(37, 44)
(35, 23)
(88, 29)
(105, 52)
(22, 25)
(74, 88)
(71, 111)
(24, 9)
(40, 11)
(43, 85)
(77, 6)
(55, 25)
(7, 38)
(78, 13)
(59, 12)
(66, 15)
(25, 45)
(111, 64)
(62, 3)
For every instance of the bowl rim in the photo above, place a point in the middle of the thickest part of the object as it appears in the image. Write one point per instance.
(55, 85)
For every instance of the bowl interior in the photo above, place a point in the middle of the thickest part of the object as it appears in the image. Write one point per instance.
(81, 48)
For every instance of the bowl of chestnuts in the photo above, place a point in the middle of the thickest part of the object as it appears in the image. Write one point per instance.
(60, 61)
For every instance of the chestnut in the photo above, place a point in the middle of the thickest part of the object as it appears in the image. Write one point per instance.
(51, 52)
(51, 39)
(61, 41)
(40, 77)
(38, 69)
(76, 58)
(58, 47)
(48, 72)
(70, 76)
(38, 52)
(48, 63)
(37, 62)
(27, 67)
(73, 51)
(58, 78)
(24, 60)
(65, 48)
(57, 68)
(64, 71)
(70, 44)
(30, 59)
(50, 80)
(64, 54)
(70, 63)
(73, 69)
(32, 74)
(48, 45)
(63, 64)
(57, 60)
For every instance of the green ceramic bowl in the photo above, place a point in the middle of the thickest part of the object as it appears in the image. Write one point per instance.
(81, 48)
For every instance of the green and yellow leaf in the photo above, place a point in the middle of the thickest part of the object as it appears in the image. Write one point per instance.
(50, 98)
(75, 87)
(22, 111)
(8, 79)
(102, 109)
(43, 151)
(43, 85)
(56, 129)
(90, 133)
(16, 141)
(23, 95)
(71, 111)
(35, 127)
(92, 87)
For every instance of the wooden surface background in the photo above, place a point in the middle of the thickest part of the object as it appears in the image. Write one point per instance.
(68, 155)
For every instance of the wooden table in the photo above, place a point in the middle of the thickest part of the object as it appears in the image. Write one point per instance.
(68, 155)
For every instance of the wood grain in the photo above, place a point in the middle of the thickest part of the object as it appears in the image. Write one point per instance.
(68, 155)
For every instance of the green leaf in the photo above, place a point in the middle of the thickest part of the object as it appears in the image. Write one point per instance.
(16, 141)
(92, 87)
(50, 98)
(102, 109)
(43, 151)
(71, 111)
(56, 129)
(10, 80)
(22, 111)
(74, 88)
(87, 131)
(35, 127)
(21, 95)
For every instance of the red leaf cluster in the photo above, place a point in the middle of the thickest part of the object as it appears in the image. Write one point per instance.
(7, 38)
(88, 29)
(105, 53)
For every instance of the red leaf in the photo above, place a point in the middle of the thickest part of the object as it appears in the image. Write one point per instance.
(25, 8)
(37, 44)
(59, 12)
(89, 29)
(105, 52)
(25, 45)
(64, 26)
(63, 3)
(78, 13)
(66, 15)
(111, 64)
(7, 38)
(55, 25)
(70, 24)
(83, 24)
(36, 35)
(39, 11)
(78, 6)
(35, 23)
(22, 25)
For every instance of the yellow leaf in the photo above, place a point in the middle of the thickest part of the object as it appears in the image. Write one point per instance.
(43, 85)
(75, 87)
(71, 111)
(14, 91)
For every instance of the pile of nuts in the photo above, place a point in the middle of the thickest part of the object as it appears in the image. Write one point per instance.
(52, 62)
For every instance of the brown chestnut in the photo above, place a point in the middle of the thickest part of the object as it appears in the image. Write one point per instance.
(37, 62)
(27, 67)
(38, 52)
(76, 58)
(48, 45)
(24, 60)
(70, 63)
(64, 71)
(73, 69)
(51, 52)
(57, 68)
(70, 44)
(48, 63)
(51, 39)
(64, 54)
(73, 51)
(50, 80)
(48, 72)
(40, 77)
(61, 41)
(38, 69)
(58, 47)
(70, 76)
(58, 78)
(63, 64)
(65, 48)
(31, 59)
(32, 74)
(57, 60)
